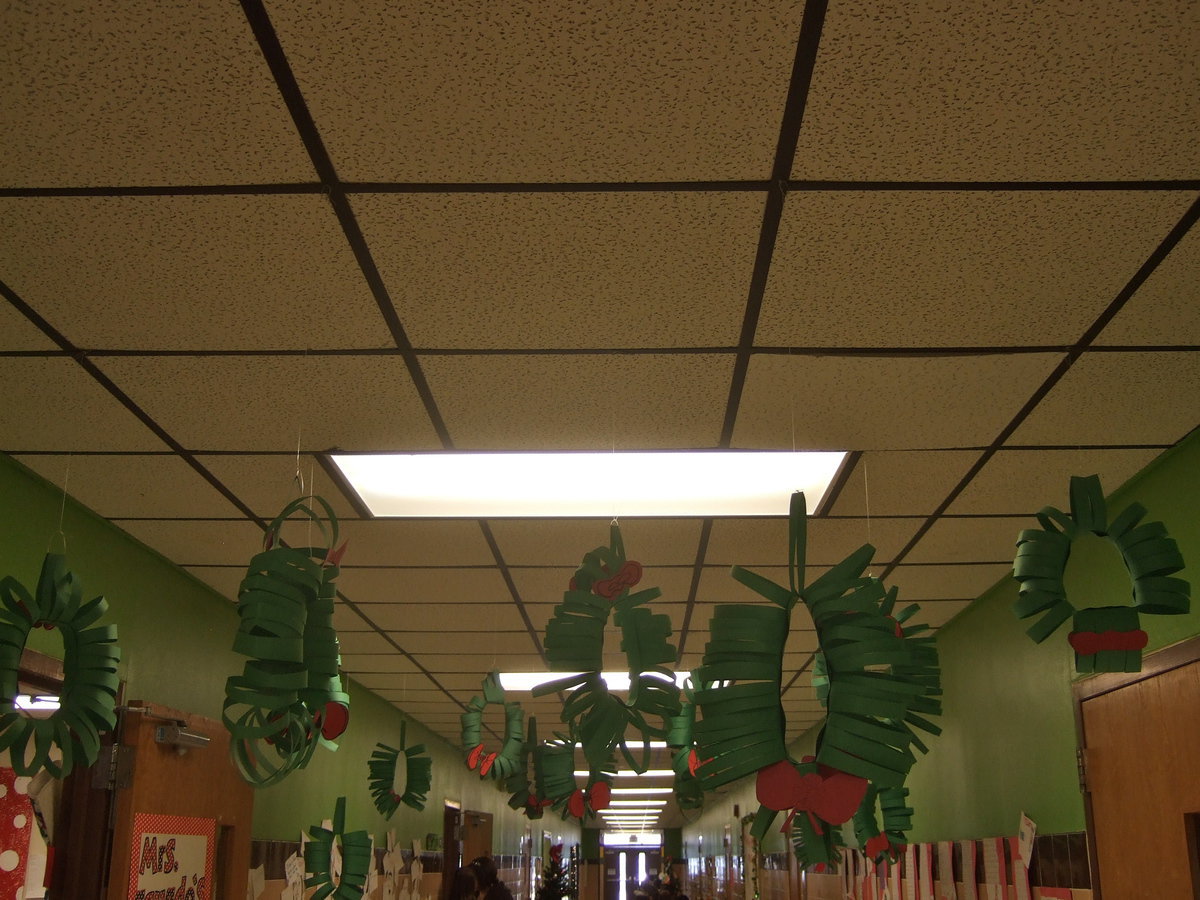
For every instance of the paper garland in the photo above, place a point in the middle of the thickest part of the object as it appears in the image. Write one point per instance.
(356, 859)
(877, 677)
(575, 643)
(688, 792)
(503, 762)
(1108, 638)
(90, 683)
(526, 789)
(289, 696)
(560, 786)
(381, 776)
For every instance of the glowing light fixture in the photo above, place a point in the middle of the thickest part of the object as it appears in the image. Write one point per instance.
(558, 485)
(643, 791)
(616, 681)
(628, 773)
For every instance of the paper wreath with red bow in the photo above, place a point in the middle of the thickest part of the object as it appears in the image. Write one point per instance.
(575, 643)
(877, 677)
(502, 763)
(383, 767)
(560, 787)
(289, 696)
(1105, 638)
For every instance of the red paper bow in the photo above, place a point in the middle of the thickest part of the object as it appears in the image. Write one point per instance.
(629, 575)
(333, 720)
(1087, 643)
(828, 795)
(484, 761)
(694, 761)
(596, 797)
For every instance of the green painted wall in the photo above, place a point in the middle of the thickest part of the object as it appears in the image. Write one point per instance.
(175, 636)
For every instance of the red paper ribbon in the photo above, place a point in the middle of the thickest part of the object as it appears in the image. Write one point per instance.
(828, 794)
(1088, 643)
(597, 796)
(629, 575)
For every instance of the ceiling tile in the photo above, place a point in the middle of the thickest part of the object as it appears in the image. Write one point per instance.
(409, 542)
(981, 540)
(420, 643)
(546, 586)
(198, 542)
(386, 663)
(170, 93)
(1165, 310)
(911, 268)
(364, 642)
(640, 92)
(1023, 481)
(53, 404)
(377, 681)
(763, 542)
(225, 580)
(18, 333)
(507, 659)
(565, 270)
(459, 586)
(938, 612)
(452, 618)
(189, 273)
(265, 403)
(642, 402)
(563, 542)
(350, 618)
(992, 91)
(134, 486)
(1118, 398)
(856, 403)
(919, 584)
(268, 483)
(902, 483)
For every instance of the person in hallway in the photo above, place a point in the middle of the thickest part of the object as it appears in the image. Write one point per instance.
(465, 885)
(490, 885)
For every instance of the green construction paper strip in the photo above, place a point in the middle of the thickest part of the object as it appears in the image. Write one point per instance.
(764, 586)
(1107, 618)
(356, 859)
(762, 822)
(1050, 622)
(1087, 504)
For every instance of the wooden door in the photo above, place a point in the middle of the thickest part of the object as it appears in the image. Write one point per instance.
(1142, 753)
(199, 783)
(476, 835)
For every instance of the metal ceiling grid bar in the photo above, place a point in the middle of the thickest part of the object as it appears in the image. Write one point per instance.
(1168, 243)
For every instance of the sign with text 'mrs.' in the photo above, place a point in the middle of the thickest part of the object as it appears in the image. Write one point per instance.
(171, 858)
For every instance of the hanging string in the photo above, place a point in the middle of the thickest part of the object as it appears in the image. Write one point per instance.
(867, 499)
(62, 511)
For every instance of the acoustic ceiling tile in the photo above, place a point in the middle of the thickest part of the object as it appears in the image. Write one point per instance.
(966, 582)
(990, 91)
(127, 486)
(467, 643)
(973, 540)
(225, 580)
(452, 619)
(563, 542)
(901, 483)
(18, 333)
(268, 483)
(352, 642)
(53, 404)
(1118, 398)
(955, 268)
(169, 93)
(553, 270)
(266, 403)
(633, 92)
(763, 542)
(383, 663)
(544, 587)
(507, 659)
(1165, 310)
(939, 612)
(368, 586)
(190, 273)
(639, 402)
(857, 403)
(197, 542)
(1023, 481)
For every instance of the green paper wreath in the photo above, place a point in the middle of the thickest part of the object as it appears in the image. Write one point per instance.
(575, 643)
(90, 656)
(526, 790)
(381, 776)
(289, 696)
(356, 859)
(878, 678)
(560, 787)
(1106, 638)
(502, 763)
(689, 794)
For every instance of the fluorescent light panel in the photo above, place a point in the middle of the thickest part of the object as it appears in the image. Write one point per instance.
(629, 773)
(643, 791)
(638, 803)
(558, 485)
(616, 681)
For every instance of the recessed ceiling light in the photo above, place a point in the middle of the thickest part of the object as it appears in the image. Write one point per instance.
(485, 485)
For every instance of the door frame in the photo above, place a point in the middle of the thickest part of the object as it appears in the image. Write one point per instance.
(1154, 664)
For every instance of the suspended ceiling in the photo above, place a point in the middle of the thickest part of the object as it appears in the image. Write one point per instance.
(958, 244)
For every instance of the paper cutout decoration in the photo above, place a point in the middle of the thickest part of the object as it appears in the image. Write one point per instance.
(289, 696)
(559, 785)
(1105, 639)
(527, 789)
(319, 854)
(90, 656)
(381, 776)
(688, 792)
(877, 677)
(495, 763)
(575, 643)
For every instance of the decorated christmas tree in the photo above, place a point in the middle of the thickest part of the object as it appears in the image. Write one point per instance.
(556, 881)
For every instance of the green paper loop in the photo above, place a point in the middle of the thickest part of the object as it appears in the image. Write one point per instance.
(356, 859)
(381, 776)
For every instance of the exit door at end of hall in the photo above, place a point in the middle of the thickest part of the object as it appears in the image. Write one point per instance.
(625, 868)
